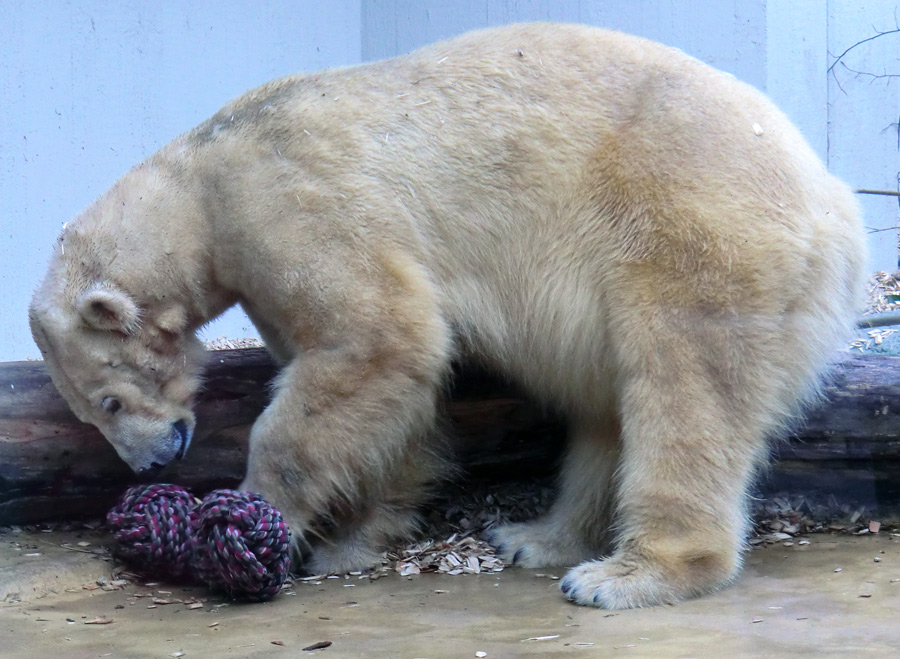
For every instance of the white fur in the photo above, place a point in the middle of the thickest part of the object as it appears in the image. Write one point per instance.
(596, 216)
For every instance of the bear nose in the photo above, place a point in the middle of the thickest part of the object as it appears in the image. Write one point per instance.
(181, 432)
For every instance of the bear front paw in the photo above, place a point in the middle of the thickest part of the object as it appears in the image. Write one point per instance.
(341, 558)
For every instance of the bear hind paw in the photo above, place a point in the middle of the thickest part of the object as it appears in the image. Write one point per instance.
(622, 582)
(537, 544)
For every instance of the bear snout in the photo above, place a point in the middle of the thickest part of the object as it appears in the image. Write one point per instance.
(165, 450)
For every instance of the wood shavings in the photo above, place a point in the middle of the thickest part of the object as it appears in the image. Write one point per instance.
(781, 518)
(456, 555)
(321, 645)
(107, 585)
(876, 337)
(224, 343)
(883, 292)
(99, 620)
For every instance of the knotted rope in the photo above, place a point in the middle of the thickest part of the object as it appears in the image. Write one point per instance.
(233, 541)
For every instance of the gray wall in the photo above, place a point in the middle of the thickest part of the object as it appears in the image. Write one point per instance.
(863, 114)
(90, 87)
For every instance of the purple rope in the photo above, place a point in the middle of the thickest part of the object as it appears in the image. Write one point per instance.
(152, 526)
(233, 541)
(243, 543)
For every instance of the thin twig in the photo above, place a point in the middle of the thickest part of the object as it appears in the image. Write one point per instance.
(873, 76)
(840, 57)
(859, 43)
(83, 551)
(888, 193)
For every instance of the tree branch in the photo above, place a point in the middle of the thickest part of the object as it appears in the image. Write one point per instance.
(859, 43)
(839, 59)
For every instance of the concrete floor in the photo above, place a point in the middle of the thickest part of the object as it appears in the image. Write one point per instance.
(836, 596)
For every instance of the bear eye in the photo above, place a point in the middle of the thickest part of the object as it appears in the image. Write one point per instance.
(110, 405)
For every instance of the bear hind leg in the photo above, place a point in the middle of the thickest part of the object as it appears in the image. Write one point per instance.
(695, 410)
(577, 526)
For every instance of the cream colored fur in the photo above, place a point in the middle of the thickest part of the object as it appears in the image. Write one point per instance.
(641, 241)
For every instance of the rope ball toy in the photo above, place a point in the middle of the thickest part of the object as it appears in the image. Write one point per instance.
(233, 541)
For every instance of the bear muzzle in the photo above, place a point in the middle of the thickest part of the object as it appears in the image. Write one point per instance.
(173, 447)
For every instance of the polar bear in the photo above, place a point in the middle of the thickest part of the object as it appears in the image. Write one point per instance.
(640, 241)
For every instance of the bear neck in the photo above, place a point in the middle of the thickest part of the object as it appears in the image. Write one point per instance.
(150, 236)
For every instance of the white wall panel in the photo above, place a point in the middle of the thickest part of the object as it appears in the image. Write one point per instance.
(89, 88)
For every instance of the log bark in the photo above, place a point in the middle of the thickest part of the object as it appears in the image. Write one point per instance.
(53, 466)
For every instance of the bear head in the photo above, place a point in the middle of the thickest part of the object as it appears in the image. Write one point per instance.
(127, 366)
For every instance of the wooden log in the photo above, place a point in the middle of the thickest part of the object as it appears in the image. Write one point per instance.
(849, 445)
(53, 466)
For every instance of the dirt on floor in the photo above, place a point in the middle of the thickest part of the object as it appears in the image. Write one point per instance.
(821, 594)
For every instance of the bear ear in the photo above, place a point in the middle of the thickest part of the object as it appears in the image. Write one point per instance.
(106, 308)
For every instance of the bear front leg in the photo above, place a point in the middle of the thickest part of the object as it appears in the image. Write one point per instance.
(347, 448)
(345, 451)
